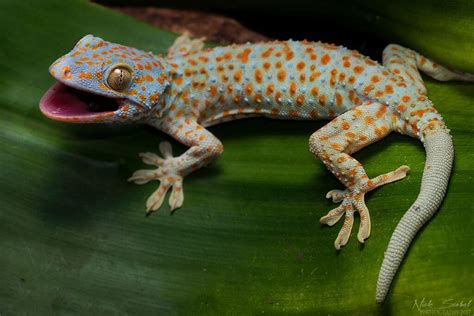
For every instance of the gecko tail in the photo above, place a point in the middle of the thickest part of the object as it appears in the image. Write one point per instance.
(439, 160)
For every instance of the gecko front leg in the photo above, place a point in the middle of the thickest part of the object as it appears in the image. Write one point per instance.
(204, 147)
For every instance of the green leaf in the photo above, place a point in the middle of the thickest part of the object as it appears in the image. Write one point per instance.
(74, 238)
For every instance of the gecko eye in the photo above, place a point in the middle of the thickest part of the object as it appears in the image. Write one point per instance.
(120, 77)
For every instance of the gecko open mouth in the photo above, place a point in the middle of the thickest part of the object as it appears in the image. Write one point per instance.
(64, 103)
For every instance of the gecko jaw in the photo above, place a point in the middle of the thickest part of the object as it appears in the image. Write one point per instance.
(67, 104)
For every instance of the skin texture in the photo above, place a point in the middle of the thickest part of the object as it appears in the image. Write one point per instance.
(192, 88)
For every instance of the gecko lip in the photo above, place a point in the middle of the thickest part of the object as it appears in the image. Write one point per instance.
(64, 103)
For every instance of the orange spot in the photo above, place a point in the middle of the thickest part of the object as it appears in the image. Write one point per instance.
(338, 99)
(244, 56)
(300, 100)
(258, 76)
(322, 100)
(288, 53)
(300, 65)
(351, 80)
(368, 89)
(346, 64)
(388, 89)
(375, 79)
(314, 115)
(401, 108)
(204, 59)
(85, 75)
(314, 91)
(292, 88)
(345, 125)
(267, 53)
(148, 78)
(278, 96)
(314, 76)
(266, 65)
(302, 78)
(358, 69)
(293, 113)
(325, 59)
(381, 111)
(350, 134)
(270, 89)
(336, 146)
(281, 75)
(213, 90)
(369, 120)
(248, 89)
(278, 64)
(140, 66)
(179, 114)
(238, 76)
(275, 111)
(406, 98)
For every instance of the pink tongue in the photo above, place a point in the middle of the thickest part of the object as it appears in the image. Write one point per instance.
(60, 103)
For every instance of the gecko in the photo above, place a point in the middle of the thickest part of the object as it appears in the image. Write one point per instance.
(191, 88)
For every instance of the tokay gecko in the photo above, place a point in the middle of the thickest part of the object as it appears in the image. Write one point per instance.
(192, 88)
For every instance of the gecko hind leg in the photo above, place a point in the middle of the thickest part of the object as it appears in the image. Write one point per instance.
(333, 143)
(406, 63)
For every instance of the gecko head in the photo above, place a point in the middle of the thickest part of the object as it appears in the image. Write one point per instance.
(100, 82)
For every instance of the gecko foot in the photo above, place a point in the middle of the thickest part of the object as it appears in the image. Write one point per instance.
(353, 200)
(167, 173)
